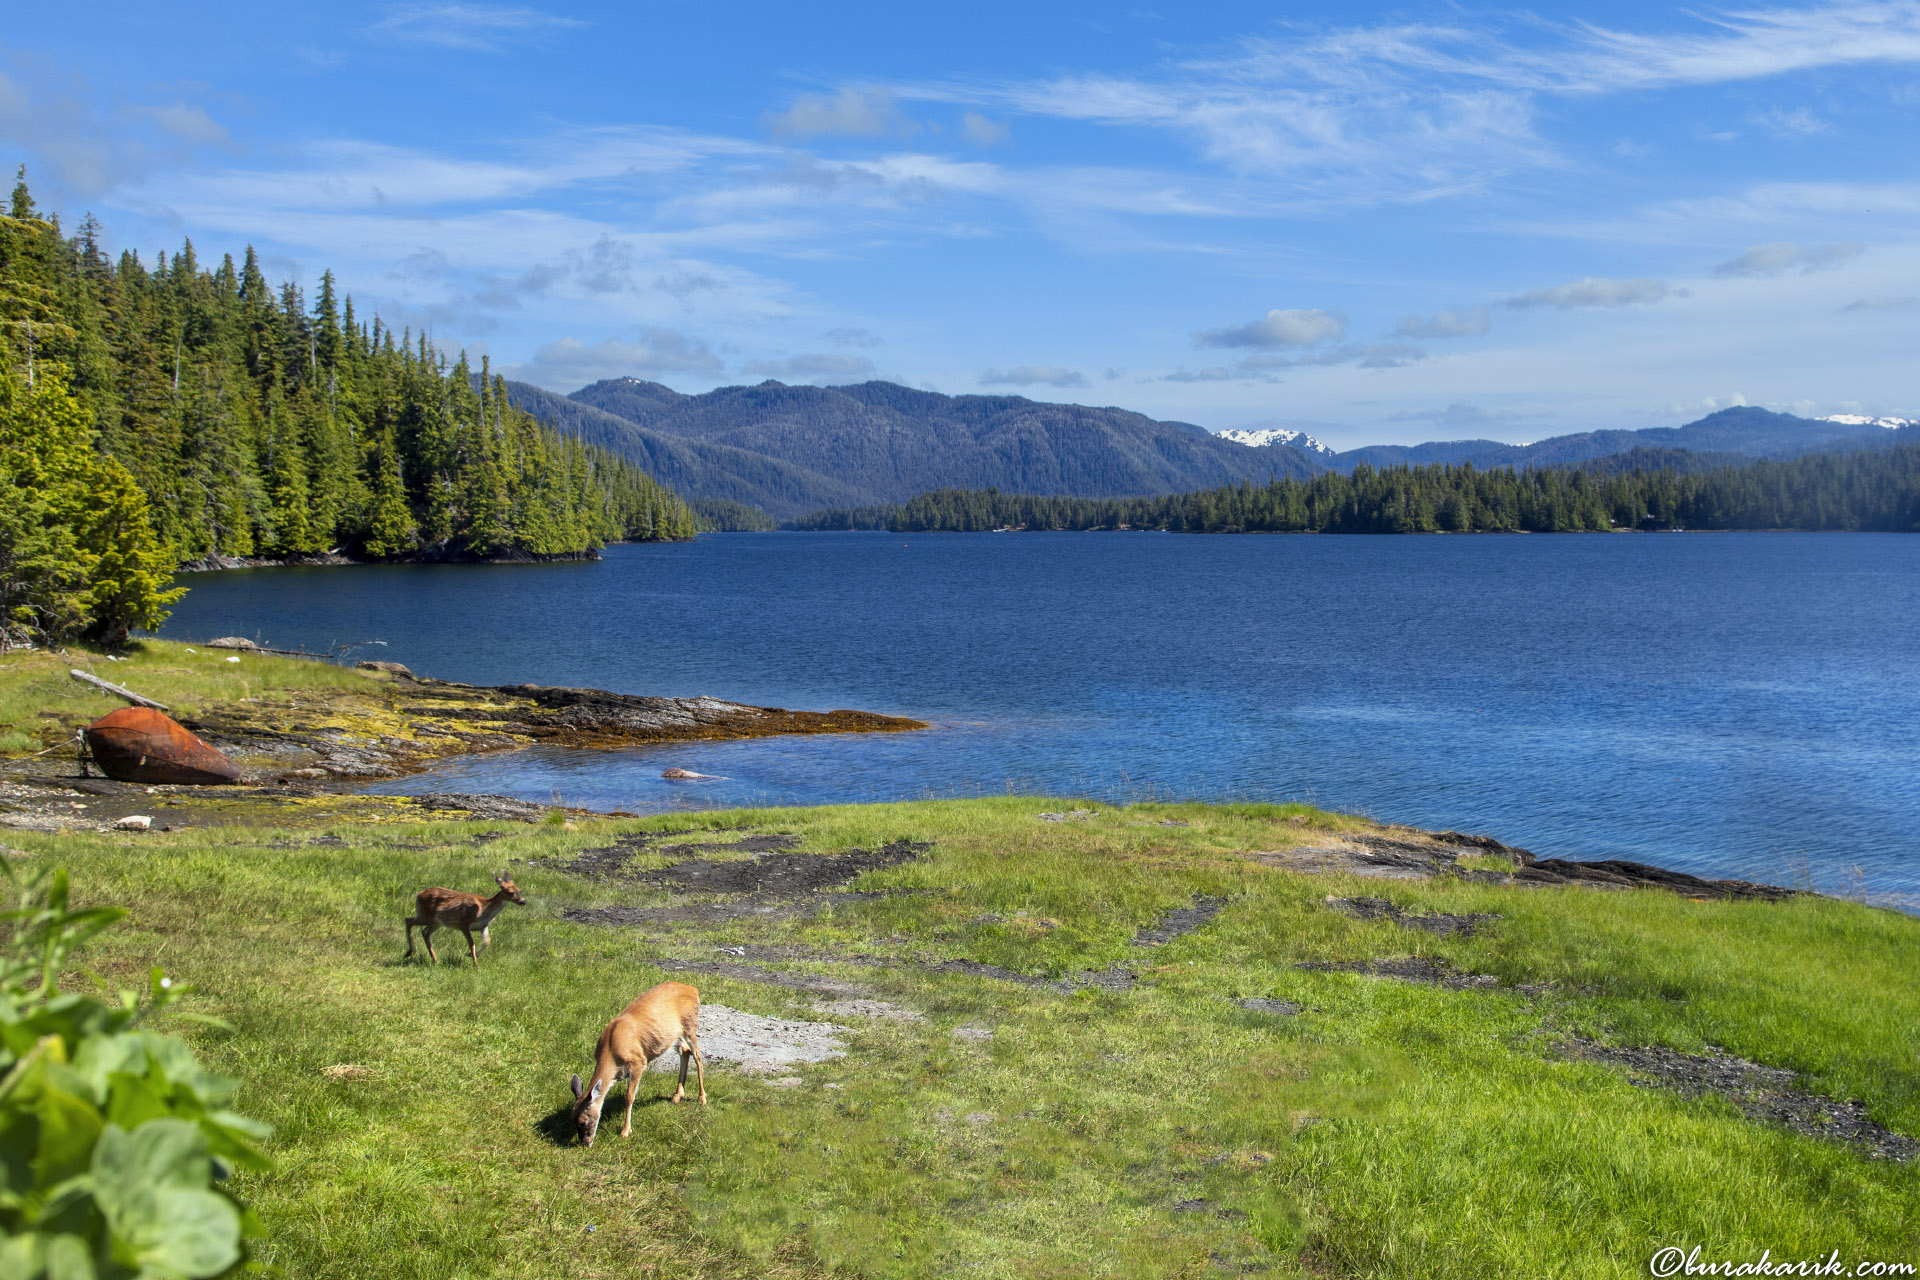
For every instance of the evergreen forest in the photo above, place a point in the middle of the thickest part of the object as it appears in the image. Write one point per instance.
(156, 415)
(1855, 491)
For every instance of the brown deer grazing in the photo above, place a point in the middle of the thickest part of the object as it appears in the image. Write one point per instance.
(447, 909)
(666, 1017)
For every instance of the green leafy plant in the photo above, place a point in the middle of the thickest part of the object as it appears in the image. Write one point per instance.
(113, 1139)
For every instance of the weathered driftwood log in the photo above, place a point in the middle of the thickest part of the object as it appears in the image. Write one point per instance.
(117, 691)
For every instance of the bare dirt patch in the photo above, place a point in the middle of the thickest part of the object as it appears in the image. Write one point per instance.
(1428, 970)
(1406, 853)
(1766, 1094)
(768, 882)
(1438, 923)
(1180, 921)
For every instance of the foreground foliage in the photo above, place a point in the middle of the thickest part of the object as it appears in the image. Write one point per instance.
(1868, 490)
(111, 1135)
(1387, 1129)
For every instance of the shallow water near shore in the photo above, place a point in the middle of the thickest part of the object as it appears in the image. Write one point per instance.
(1737, 705)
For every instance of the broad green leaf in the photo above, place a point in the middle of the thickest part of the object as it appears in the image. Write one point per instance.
(132, 1101)
(69, 1258)
(152, 1184)
(69, 1127)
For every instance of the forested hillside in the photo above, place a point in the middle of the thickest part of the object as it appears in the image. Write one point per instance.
(714, 477)
(878, 442)
(1866, 490)
(255, 423)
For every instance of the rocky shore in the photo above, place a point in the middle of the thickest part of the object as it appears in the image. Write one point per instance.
(305, 751)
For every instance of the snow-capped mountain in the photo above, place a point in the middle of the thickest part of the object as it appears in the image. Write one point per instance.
(1861, 420)
(1276, 435)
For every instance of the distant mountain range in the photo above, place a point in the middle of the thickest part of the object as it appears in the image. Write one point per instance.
(793, 449)
(788, 450)
(1743, 432)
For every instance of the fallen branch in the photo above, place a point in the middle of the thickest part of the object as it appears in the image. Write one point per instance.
(116, 690)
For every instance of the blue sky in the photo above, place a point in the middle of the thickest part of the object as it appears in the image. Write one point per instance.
(1383, 223)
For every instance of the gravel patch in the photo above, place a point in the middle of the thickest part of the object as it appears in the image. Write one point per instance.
(1766, 1094)
(757, 1044)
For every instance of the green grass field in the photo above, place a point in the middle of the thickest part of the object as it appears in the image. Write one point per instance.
(1389, 1129)
(40, 704)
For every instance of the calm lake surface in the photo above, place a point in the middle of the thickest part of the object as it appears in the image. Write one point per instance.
(1733, 705)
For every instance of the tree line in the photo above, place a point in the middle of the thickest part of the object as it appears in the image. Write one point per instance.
(1856, 491)
(202, 411)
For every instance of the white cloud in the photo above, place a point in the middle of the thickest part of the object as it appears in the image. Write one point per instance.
(1881, 302)
(1458, 416)
(1031, 375)
(1297, 327)
(479, 28)
(853, 112)
(1780, 256)
(852, 338)
(813, 365)
(568, 364)
(1595, 291)
(1446, 324)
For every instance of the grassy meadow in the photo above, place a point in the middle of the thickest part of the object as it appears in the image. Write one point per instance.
(1388, 1129)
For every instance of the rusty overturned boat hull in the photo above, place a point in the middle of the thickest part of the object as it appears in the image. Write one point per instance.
(140, 744)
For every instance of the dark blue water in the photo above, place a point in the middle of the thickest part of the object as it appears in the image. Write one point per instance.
(1739, 705)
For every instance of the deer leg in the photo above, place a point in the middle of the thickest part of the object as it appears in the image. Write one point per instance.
(470, 951)
(410, 924)
(700, 1068)
(426, 934)
(680, 1090)
(634, 1071)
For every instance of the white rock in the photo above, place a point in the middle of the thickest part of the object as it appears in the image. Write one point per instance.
(133, 822)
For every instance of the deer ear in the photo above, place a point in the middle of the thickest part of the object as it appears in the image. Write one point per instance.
(575, 1083)
(595, 1091)
(501, 878)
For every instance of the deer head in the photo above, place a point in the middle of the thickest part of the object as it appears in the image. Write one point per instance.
(586, 1110)
(513, 890)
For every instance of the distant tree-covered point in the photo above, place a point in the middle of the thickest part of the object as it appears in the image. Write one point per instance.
(250, 423)
(1861, 491)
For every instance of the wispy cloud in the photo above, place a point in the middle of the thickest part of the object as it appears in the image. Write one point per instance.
(1033, 375)
(860, 113)
(479, 28)
(817, 365)
(1783, 255)
(1268, 367)
(568, 364)
(982, 132)
(1468, 323)
(1882, 302)
(1296, 327)
(1595, 291)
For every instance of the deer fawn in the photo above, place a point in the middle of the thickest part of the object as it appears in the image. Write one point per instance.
(666, 1017)
(446, 909)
